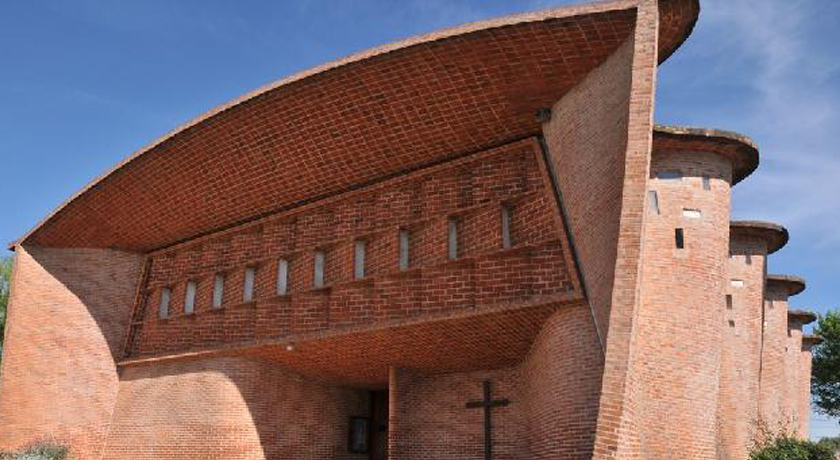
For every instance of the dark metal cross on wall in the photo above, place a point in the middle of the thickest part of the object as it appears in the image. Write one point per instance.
(488, 403)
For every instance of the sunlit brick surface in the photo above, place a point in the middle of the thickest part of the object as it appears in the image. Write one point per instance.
(738, 411)
(67, 319)
(608, 340)
(229, 408)
(470, 190)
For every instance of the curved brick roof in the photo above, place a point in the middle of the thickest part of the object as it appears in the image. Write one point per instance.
(793, 284)
(359, 120)
(802, 316)
(775, 235)
(740, 149)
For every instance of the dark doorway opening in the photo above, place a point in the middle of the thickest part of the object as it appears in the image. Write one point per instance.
(379, 425)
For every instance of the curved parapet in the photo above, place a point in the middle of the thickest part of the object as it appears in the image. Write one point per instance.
(792, 284)
(775, 235)
(810, 340)
(802, 316)
(739, 149)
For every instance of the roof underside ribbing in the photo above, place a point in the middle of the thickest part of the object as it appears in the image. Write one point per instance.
(357, 121)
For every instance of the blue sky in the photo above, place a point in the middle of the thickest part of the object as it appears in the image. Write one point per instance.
(85, 83)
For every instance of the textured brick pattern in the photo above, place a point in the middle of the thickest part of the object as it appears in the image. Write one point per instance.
(683, 296)
(775, 402)
(230, 408)
(804, 392)
(471, 190)
(402, 109)
(610, 342)
(741, 346)
(561, 386)
(67, 319)
(435, 424)
(552, 414)
(599, 138)
(793, 379)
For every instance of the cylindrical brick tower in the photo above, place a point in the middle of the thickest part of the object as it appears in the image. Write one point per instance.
(799, 372)
(686, 245)
(749, 245)
(808, 343)
(778, 412)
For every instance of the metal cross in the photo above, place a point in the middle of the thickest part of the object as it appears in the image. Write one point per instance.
(488, 403)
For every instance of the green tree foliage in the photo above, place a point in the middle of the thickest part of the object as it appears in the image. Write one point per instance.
(39, 451)
(789, 448)
(825, 381)
(832, 443)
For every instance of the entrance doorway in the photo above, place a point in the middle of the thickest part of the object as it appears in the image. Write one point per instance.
(379, 425)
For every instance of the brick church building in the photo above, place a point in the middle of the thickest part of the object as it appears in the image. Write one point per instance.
(469, 244)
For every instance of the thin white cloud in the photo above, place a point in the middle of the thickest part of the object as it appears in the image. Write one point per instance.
(773, 47)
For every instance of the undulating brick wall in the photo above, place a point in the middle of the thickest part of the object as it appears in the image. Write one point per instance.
(471, 190)
(430, 419)
(67, 320)
(679, 322)
(599, 139)
(561, 386)
(230, 408)
(775, 402)
(553, 397)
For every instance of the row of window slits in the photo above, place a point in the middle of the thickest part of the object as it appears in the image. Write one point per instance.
(359, 250)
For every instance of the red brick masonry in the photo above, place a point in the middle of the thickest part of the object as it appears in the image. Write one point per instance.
(560, 246)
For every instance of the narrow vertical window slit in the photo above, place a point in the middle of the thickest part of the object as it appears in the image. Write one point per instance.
(282, 276)
(453, 238)
(506, 212)
(248, 285)
(189, 297)
(405, 240)
(359, 259)
(320, 260)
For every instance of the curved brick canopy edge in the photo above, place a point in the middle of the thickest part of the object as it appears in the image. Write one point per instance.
(350, 122)
(774, 234)
(738, 148)
(793, 284)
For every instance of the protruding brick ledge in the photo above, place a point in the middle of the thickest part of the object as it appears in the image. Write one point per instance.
(802, 316)
(810, 340)
(793, 284)
(738, 148)
(775, 235)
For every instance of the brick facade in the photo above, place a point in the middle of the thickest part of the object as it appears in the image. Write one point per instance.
(67, 319)
(522, 222)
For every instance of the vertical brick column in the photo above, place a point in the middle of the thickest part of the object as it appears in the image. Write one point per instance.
(399, 442)
(799, 370)
(742, 324)
(599, 141)
(679, 322)
(804, 396)
(778, 411)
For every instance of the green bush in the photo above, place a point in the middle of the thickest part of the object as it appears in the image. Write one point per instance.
(40, 451)
(789, 448)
